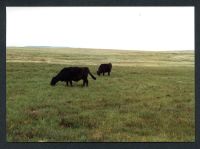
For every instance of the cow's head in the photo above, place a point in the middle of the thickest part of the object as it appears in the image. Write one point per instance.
(53, 81)
(98, 73)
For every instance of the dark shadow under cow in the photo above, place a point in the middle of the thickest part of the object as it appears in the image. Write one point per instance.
(70, 74)
(104, 68)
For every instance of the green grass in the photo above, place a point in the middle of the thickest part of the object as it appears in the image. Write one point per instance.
(148, 97)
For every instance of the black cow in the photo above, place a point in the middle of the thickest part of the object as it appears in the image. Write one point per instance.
(103, 68)
(70, 74)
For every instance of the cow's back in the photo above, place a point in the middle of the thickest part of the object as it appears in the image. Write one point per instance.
(105, 67)
(76, 73)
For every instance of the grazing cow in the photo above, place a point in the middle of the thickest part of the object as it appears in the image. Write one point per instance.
(70, 74)
(103, 68)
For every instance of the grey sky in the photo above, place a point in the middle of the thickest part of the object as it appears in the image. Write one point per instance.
(129, 28)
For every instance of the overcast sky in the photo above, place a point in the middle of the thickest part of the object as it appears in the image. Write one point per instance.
(129, 28)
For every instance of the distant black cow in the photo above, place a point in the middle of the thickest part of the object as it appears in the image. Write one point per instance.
(70, 74)
(103, 68)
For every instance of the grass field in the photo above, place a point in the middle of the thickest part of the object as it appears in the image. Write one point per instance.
(148, 97)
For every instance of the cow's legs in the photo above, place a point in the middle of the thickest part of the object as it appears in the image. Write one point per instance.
(109, 73)
(85, 82)
(103, 73)
(67, 83)
(70, 83)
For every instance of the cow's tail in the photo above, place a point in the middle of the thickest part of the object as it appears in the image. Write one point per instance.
(93, 77)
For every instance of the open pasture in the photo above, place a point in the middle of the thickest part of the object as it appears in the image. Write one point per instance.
(148, 97)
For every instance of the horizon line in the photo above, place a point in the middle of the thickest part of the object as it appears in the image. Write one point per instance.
(99, 48)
